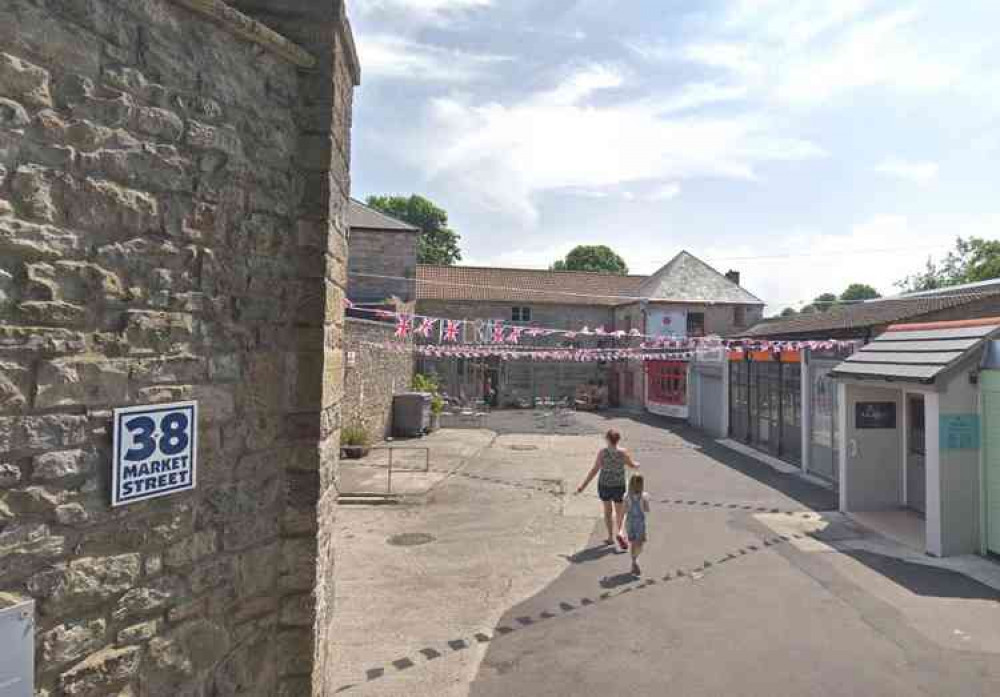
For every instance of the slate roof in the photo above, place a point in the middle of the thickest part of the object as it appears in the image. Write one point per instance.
(688, 278)
(862, 316)
(365, 217)
(684, 279)
(918, 352)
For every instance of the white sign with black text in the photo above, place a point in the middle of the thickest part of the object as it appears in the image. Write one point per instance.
(155, 449)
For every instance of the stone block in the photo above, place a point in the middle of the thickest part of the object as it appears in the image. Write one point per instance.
(150, 598)
(156, 122)
(12, 114)
(102, 673)
(224, 139)
(108, 208)
(63, 464)
(212, 573)
(26, 547)
(24, 82)
(92, 381)
(40, 340)
(72, 514)
(159, 332)
(138, 633)
(188, 551)
(115, 111)
(224, 367)
(35, 501)
(257, 570)
(84, 583)
(146, 167)
(26, 241)
(81, 282)
(297, 648)
(10, 474)
(188, 650)
(70, 642)
(15, 386)
(32, 194)
(51, 432)
(298, 568)
(215, 403)
(298, 610)
(52, 312)
(172, 369)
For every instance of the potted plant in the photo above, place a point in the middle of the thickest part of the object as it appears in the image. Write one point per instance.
(354, 443)
(437, 406)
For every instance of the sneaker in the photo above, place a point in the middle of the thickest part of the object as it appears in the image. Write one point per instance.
(635, 569)
(622, 542)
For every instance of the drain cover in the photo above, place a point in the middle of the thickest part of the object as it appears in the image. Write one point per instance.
(524, 447)
(410, 539)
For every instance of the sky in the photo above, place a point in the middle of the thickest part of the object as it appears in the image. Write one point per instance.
(808, 144)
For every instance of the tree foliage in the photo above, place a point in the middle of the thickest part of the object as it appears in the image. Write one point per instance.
(973, 259)
(598, 258)
(437, 243)
(859, 291)
(789, 312)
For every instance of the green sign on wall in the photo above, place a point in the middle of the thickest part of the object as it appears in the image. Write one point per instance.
(959, 431)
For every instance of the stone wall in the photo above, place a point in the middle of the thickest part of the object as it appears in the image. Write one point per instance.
(173, 180)
(382, 253)
(381, 367)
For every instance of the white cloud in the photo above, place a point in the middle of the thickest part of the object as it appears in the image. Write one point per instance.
(666, 192)
(386, 56)
(421, 8)
(500, 155)
(922, 173)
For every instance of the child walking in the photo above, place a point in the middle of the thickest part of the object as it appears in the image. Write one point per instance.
(636, 508)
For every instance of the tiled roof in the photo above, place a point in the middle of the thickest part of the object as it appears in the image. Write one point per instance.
(478, 283)
(364, 217)
(918, 352)
(687, 277)
(865, 315)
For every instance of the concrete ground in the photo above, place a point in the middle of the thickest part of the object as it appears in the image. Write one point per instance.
(751, 585)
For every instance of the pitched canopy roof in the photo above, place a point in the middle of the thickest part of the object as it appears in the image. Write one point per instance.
(861, 316)
(684, 279)
(918, 352)
(360, 216)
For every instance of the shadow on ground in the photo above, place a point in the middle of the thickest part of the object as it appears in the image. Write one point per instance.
(927, 581)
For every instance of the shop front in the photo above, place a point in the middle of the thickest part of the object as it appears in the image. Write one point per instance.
(666, 388)
(765, 402)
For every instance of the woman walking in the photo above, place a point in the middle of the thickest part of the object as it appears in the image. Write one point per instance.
(611, 463)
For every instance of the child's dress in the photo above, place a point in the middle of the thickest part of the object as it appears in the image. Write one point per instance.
(635, 518)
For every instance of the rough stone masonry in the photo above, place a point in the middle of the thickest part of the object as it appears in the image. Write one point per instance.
(173, 181)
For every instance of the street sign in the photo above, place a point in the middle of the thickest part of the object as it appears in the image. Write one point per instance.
(17, 650)
(155, 448)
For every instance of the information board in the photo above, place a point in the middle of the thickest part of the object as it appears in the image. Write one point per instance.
(155, 448)
(875, 415)
(959, 431)
(17, 650)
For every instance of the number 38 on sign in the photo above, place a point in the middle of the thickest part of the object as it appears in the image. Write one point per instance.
(155, 451)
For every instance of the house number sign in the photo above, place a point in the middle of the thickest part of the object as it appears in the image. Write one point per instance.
(155, 448)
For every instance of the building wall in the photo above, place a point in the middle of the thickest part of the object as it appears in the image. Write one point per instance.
(960, 497)
(382, 253)
(172, 188)
(545, 315)
(381, 368)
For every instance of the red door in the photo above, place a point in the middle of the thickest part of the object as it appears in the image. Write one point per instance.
(666, 383)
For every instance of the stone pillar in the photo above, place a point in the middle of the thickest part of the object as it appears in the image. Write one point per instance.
(324, 151)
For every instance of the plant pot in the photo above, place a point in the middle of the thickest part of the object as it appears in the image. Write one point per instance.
(354, 452)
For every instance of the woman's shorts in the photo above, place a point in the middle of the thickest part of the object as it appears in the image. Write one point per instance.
(611, 493)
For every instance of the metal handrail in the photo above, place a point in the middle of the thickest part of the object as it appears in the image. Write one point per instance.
(390, 448)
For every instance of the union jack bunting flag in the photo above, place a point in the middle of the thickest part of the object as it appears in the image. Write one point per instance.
(498, 330)
(402, 326)
(426, 327)
(515, 335)
(451, 328)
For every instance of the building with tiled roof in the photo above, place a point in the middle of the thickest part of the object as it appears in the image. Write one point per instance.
(868, 319)
(383, 255)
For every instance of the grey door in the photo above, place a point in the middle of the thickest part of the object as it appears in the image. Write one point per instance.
(823, 455)
(916, 470)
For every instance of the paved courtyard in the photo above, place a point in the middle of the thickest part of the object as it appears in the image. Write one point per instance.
(494, 582)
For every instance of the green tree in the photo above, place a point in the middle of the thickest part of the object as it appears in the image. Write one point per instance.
(592, 258)
(823, 302)
(859, 291)
(437, 244)
(973, 259)
(789, 312)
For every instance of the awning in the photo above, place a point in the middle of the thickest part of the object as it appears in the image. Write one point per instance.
(918, 352)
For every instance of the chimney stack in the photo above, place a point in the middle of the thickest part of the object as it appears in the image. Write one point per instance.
(733, 276)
